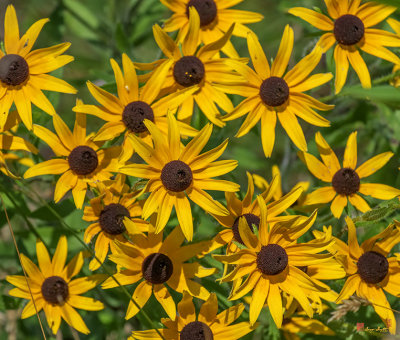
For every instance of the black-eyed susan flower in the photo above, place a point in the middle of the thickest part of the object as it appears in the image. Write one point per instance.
(159, 263)
(262, 184)
(53, 288)
(216, 17)
(175, 173)
(9, 141)
(23, 72)
(349, 26)
(201, 69)
(345, 181)
(270, 261)
(80, 161)
(250, 210)
(395, 25)
(126, 112)
(270, 93)
(293, 324)
(113, 213)
(207, 325)
(370, 271)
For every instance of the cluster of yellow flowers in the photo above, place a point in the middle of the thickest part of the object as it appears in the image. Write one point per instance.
(153, 111)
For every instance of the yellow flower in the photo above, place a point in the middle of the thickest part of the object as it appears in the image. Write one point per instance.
(349, 25)
(114, 212)
(23, 71)
(216, 17)
(345, 180)
(249, 209)
(8, 141)
(53, 288)
(396, 27)
(271, 262)
(262, 184)
(371, 271)
(184, 67)
(270, 93)
(175, 172)
(292, 325)
(82, 161)
(207, 325)
(127, 111)
(157, 263)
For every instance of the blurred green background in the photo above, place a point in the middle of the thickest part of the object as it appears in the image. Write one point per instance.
(100, 30)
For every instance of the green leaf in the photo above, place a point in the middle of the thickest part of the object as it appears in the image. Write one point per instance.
(383, 94)
(82, 12)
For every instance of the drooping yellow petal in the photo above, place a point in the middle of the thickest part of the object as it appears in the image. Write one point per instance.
(71, 316)
(358, 202)
(260, 293)
(292, 127)
(140, 296)
(342, 67)
(338, 205)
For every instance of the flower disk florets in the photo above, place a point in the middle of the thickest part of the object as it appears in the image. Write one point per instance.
(189, 71)
(346, 181)
(251, 220)
(157, 268)
(372, 267)
(176, 176)
(348, 30)
(207, 10)
(196, 330)
(134, 114)
(274, 91)
(83, 160)
(55, 290)
(112, 218)
(272, 259)
(14, 69)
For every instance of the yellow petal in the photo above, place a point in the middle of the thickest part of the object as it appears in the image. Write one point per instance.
(350, 153)
(317, 168)
(380, 191)
(320, 196)
(11, 31)
(342, 67)
(338, 205)
(292, 127)
(374, 164)
(260, 293)
(281, 61)
(140, 296)
(316, 19)
(165, 299)
(71, 316)
(257, 55)
(359, 203)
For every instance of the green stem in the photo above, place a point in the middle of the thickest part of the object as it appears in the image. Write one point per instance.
(22, 183)
(21, 212)
(378, 81)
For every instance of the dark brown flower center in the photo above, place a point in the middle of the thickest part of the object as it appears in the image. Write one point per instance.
(157, 268)
(112, 218)
(55, 290)
(251, 219)
(189, 71)
(14, 69)
(83, 160)
(272, 259)
(207, 10)
(372, 267)
(134, 114)
(176, 176)
(274, 91)
(196, 330)
(348, 30)
(346, 181)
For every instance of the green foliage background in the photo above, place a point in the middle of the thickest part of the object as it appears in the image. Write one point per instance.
(99, 30)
